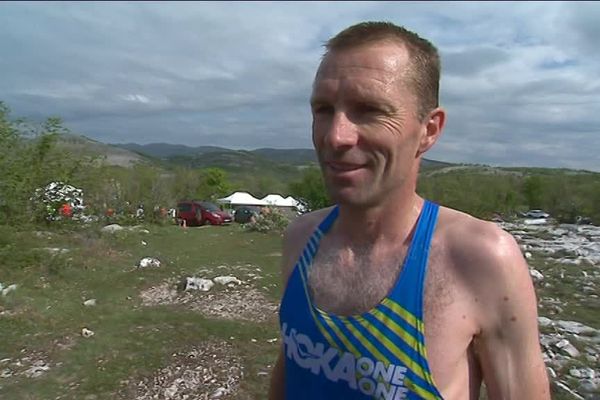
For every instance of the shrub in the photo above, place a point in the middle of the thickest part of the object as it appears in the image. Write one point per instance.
(269, 220)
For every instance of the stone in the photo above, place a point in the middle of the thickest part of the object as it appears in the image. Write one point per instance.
(112, 228)
(567, 347)
(224, 280)
(218, 393)
(536, 275)
(545, 322)
(8, 289)
(87, 333)
(194, 283)
(575, 327)
(90, 303)
(147, 262)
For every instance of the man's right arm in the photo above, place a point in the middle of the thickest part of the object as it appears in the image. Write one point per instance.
(277, 388)
(296, 235)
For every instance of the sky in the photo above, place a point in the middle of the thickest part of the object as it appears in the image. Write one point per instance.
(520, 81)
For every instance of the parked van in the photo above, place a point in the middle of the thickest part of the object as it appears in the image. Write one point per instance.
(195, 212)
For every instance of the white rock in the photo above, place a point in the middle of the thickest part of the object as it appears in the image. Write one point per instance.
(568, 390)
(149, 262)
(528, 255)
(193, 283)
(218, 393)
(36, 370)
(537, 221)
(568, 348)
(8, 289)
(90, 303)
(536, 275)
(170, 391)
(586, 373)
(224, 280)
(55, 250)
(576, 373)
(575, 327)
(543, 321)
(86, 333)
(112, 228)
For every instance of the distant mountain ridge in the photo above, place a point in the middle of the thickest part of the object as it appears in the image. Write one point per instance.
(213, 154)
(113, 155)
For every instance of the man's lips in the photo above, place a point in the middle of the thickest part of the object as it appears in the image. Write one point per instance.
(340, 167)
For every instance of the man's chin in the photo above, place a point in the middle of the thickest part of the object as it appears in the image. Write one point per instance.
(350, 197)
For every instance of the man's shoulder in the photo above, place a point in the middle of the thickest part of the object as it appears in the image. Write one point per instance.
(297, 234)
(305, 225)
(477, 247)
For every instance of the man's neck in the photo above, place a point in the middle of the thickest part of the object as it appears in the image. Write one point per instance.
(391, 221)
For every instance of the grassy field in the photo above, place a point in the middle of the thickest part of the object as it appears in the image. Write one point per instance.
(141, 335)
(152, 340)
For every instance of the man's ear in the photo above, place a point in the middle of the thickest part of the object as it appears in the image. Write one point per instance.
(431, 129)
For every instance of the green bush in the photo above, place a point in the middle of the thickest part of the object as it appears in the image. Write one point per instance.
(269, 220)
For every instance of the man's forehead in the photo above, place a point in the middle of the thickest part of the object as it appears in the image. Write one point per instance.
(382, 61)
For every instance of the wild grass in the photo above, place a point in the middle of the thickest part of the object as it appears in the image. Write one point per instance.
(43, 318)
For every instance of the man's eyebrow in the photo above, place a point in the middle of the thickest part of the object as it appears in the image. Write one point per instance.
(318, 100)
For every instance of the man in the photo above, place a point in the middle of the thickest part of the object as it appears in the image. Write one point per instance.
(389, 296)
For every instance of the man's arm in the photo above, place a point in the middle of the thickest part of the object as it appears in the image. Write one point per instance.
(294, 239)
(277, 388)
(508, 344)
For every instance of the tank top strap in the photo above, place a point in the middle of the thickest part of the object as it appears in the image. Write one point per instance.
(312, 245)
(421, 242)
(409, 289)
(328, 221)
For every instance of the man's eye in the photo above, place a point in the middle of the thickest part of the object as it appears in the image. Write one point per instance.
(323, 109)
(368, 109)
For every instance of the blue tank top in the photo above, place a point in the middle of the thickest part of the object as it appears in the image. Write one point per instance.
(379, 354)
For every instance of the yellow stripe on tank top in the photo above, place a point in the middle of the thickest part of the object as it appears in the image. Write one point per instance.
(322, 329)
(379, 356)
(409, 339)
(411, 364)
(340, 334)
(401, 312)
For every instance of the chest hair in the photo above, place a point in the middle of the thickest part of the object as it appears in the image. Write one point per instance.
(348, 281)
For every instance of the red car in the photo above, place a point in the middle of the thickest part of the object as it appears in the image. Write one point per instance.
(200, 213)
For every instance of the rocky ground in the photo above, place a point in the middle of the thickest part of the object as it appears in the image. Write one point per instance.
(565, 266)
(212, 370)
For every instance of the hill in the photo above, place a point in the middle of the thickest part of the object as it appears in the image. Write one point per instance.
(112, 155)
(203, 156)
(166, 150)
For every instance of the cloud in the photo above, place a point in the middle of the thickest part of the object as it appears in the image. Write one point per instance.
(519, 80)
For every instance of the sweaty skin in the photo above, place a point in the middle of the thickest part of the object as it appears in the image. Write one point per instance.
(480, 310)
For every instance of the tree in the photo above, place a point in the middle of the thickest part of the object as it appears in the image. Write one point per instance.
(213, 184)
(311, 189)
(533, 191)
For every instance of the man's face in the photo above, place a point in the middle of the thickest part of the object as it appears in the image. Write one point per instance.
(365, 126)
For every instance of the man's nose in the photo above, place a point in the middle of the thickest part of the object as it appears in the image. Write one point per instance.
(342, 131)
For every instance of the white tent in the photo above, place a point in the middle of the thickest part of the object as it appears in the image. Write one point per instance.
(279, 201)
(242, 198)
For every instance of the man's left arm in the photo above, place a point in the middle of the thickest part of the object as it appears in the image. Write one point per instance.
(508, 345)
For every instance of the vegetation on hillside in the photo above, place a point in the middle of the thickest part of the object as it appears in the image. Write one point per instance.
(563, 194)
(31, 156)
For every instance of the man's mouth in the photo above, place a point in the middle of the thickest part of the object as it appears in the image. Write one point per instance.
(343, 167)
